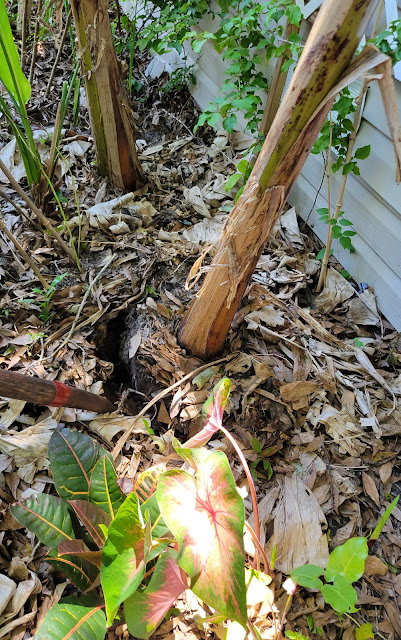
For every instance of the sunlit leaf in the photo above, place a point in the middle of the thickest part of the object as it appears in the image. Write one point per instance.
(340, 595)
(364, 632)
(123, 567)
(152, 506)
(206, 516)
(72, 457)
(46, 516)
(308, 576)
(146, 482)
(145, 610)
(347, 560)
(104, 490)
(73, 619)
(212, 414)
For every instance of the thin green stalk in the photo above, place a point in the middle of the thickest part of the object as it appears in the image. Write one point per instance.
(44, 174)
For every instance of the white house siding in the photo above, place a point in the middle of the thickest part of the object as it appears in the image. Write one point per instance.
(372, 201)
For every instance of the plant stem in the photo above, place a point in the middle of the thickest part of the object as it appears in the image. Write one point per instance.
(276, 88)
(24, 254)
(251, 489)
(351, 143)
(265, 561)
(21, 211)
(323, 271)
(123, 439)
(286, 608)
(35, 41)
(59, 52)
(37, 211)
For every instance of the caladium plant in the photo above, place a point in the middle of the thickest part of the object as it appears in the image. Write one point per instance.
(132, 554)
(173, 531)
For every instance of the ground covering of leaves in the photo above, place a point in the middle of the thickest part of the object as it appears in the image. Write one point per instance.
(315, 379)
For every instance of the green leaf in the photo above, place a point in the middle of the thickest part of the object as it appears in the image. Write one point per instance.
(78, 570)
(294, 14)
(230, 122)
(308, 576)
(321, 253)
(123, 567)
(341, 595)
(197, 45)
(349, 234)
(152, 506)
(346, 243)
(92, 517)
(232, 181)
(294, 635)
(194, 457)
(46, 516)
(348, 167)
(363, 152)
(244, 104)
(11, 74)
(213, 119)
(104, 490)
(145, 610)
(323, 211)
(345, 223)
(383, 519)
(206, 516)
(73, 619)
(256, 446)
(72, 457)
(364, 632)
(347, 560)
(243, 165)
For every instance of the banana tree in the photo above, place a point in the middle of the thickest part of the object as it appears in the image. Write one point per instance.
(110, 112)
(320, 73)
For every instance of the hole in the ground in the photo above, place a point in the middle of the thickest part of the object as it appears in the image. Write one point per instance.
(112, 340)
(109, 338)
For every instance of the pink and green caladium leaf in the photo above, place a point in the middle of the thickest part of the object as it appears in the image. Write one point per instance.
(123, 567)
(212, 414)
(145, 610)
(206, 516)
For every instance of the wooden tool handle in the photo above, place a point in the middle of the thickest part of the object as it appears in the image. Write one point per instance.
(46, 392)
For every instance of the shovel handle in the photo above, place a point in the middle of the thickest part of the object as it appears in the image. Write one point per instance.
(50, 393)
